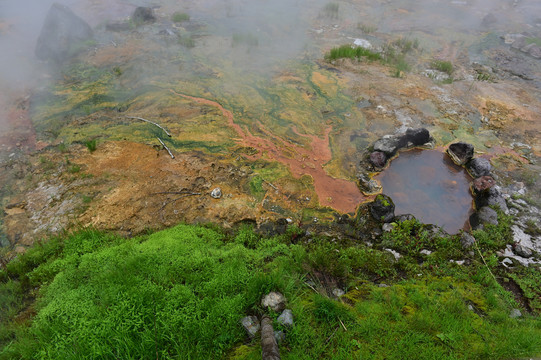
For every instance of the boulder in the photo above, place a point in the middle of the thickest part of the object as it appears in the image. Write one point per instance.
(390, 144)
(368, 186)
(382, 208)
(251, 325)
(143, 15)
(478, 167)
(523, 251)
(460, 152)
(378, 159)
(485, 215)
(417, 137)
(482, 183)
(275, 301)
(286, 318)
(491, 197)
(63, 35)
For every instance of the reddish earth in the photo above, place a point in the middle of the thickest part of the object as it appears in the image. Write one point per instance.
(340, 194)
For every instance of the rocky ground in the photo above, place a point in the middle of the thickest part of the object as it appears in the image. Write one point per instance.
(280, 145)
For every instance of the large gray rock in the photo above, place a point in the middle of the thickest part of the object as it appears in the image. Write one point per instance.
(382, 208)
(479, 167)
(251, 325)
(143, 15)
(482, 183)
(460, 152)
(63, 35)
(491, 197)
(389, 144)
(523, 251)
(275, 301)
(416, 137)
(286, 318)
(484, 216)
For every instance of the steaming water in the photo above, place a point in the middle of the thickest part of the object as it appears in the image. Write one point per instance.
(427, 184)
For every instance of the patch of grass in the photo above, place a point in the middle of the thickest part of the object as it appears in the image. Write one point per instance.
(91, 145)
(367, 29)
(179, 17)
(347, 51)
(74, 169)
(331, 10)
(443, 66)
(244, 39)
(87, 199)
(63, 147)
(186, 41)
(535, 40)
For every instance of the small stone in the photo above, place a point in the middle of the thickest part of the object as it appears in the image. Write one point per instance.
(470, 307)
(479, 167)
(216, 193)
(485, 215)
(396, 254)
(378, 159)
(523, 251)
(338, 292)
(275, 301)
(388, 227)
(425, 252)
(467, 240)
(418, 136)
(251, 325)
(515, 313)
(404, 217)
(279, 336)
(491, 197)
(286, 318)
(482, 183)
(460, 152)
(383, 285)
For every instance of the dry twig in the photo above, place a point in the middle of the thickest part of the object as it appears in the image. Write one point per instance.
(166, 148)
(150, 122)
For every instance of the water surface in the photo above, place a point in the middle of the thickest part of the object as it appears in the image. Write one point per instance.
(427, 184)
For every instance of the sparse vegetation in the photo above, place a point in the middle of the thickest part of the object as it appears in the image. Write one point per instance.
(91, 145)
(179, 17)
(186, 41)
(367, 29)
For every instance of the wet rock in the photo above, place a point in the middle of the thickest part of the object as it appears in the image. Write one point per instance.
(404, 217)
(286, 318)
(251, 325)
(378, 159)
(515, 313)
(63, 35)
(417, 137)
(275, 301)
(143, 15)
(482, 183)
(367, 185)
(478, 167)
(485, 215)
(491, 197)
(467, 240)
(216, 193)
(523, 251)
(460, 152)
(382, 208)
(389, 144)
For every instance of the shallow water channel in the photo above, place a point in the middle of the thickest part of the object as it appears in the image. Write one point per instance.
(427, 184)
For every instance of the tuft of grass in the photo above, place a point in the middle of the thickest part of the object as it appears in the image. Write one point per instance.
(347, 51)
(443, 66)
(331, 10)
(186, 41)
(91, 145)
(367, 29)
(179, 17)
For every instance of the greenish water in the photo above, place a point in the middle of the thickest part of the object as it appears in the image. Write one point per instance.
(427, 184)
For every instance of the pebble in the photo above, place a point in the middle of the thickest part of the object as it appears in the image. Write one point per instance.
(216, 193)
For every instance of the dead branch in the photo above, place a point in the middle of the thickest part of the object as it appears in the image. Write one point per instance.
(269, 347)
(150, 122)
(271, 185)
(166, 148)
